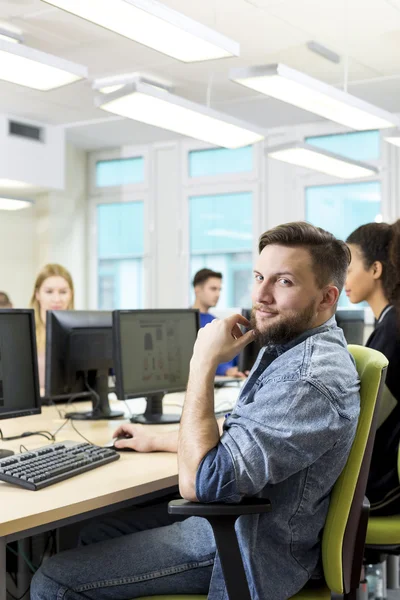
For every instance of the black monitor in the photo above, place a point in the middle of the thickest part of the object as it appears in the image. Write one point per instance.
(19, 378)
(79, 357)
(152, 352)
(249, 354)
(351, 320)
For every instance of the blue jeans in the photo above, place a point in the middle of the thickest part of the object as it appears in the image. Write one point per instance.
(129, 556)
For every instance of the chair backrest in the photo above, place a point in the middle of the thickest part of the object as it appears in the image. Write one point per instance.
(341, 528)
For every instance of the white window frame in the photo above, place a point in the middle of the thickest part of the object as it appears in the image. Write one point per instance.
(116, 195)
(307, 178)
(116, 154)
(225, 183)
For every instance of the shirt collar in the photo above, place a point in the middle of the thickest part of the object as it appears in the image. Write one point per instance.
(281, 348)
(384, 312)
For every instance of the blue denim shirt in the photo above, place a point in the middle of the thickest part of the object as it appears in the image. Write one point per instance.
(287, 440)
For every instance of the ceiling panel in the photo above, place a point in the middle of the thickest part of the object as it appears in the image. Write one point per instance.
(268, 31)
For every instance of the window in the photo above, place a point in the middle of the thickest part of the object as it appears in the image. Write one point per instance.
(120, 255)
(358, 145)
(218, 161)
(221, 239)
(342, 208)
(121, 171)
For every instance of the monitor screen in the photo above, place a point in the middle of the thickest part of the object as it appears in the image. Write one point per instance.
(79, 356)
(352, 322)
(19, 379)
(152, 351)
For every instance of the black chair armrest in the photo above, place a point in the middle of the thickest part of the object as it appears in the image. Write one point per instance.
(249, 506)
(222, 518)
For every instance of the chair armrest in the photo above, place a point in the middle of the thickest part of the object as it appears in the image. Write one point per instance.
(249, 506)
(222, 518)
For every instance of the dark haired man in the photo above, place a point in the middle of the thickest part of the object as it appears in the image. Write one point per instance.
(287, 439)
(207, 288)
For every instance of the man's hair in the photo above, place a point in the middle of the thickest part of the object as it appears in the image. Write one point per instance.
(330, 256)
(5, 301)
(204, 274)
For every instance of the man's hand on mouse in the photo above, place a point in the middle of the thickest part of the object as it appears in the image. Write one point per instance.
(136, 437)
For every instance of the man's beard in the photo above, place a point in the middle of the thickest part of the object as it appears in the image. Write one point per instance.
(286, 329)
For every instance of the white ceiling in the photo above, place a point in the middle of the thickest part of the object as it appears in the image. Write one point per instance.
(368, 31)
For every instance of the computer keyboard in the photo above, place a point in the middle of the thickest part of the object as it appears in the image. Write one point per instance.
(39, 468)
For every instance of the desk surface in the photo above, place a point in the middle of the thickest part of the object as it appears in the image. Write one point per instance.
(132, 476)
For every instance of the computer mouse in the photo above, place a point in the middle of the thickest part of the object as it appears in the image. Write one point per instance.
(111, 444)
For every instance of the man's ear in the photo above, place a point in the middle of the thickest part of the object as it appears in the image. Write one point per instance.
(377, 269)
(330, 297)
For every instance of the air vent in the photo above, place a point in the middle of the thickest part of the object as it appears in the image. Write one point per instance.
(30, 132)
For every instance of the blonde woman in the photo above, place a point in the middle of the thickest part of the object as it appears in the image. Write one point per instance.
(54, 290)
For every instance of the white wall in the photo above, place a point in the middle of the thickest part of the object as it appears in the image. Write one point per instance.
(53, 230)
(17, 254)
(61, 224)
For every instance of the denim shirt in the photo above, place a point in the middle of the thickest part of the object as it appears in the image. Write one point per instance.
(287, 440)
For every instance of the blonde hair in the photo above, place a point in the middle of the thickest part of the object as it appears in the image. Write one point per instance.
(51, 270)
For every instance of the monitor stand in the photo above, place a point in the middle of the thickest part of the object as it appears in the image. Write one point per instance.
(153, 414)
(98, 381)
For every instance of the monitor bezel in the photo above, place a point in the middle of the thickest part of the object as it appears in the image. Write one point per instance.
(36, 388)
(118, 370)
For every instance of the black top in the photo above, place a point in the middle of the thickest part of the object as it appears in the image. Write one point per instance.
(383, 475)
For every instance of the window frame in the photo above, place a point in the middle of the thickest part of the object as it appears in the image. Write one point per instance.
(115, 154)
(192, 146)
(138, 192)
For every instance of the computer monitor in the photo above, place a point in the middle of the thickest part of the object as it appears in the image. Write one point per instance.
(352, 322)
(249, 354)
(19, 378)
(79, 356)
(152, 352)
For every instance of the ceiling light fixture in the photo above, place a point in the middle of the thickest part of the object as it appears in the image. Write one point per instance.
(298, 89)
(305, 155)
(158, 107)
(34, 69)
(13, 184)
(10, 36)
(154, 25)
(14, 203)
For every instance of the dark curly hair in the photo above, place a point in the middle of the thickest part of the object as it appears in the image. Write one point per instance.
(381, 242)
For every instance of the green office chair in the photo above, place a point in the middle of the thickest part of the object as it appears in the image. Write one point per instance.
(346, 524)
(383, 538)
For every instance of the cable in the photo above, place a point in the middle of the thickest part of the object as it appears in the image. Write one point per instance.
(95, 394)
(26, 559)
(81, 434)
(46, 434)
(59, 429)
(50, 538)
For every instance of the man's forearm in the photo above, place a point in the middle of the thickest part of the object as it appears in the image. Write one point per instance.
(199, 431)
(166, 442)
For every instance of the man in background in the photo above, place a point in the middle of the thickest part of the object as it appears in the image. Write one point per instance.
(5, 301)
(207, 286)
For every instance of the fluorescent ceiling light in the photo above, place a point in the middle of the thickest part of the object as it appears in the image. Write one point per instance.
(34, 69)
(10, 35)
(154, 106)
(310, 157)
(298, 89)
(393, 137)
(12, 184)
(151, 23)
(14, 203)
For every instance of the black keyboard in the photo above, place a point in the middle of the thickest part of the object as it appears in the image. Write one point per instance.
(39, 468)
